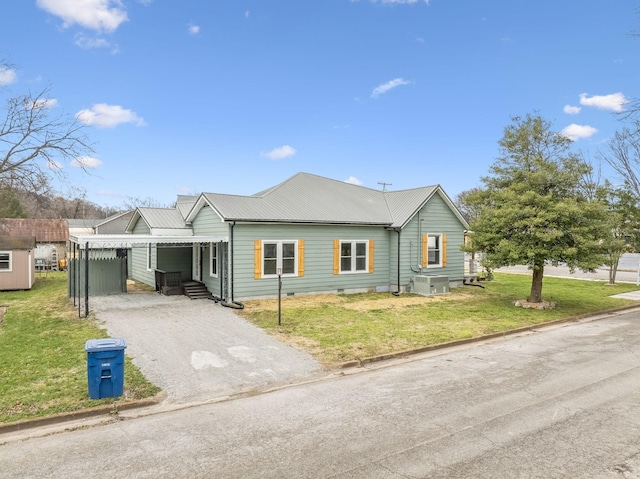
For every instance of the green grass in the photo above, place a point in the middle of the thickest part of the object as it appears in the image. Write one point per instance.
(43, 362)
(351, 327)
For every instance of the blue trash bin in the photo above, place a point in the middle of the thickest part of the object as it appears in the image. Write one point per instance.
(105, 367)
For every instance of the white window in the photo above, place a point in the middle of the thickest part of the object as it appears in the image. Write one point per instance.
(279, 255)
(434, 250)
(5, 261)
(149, 257)
(354, 256)
(213, 260)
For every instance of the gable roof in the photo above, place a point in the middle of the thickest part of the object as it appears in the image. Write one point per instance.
(160, 221)
(45, 231)
(307, 198)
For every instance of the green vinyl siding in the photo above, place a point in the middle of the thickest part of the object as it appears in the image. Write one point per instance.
(139, 270)
(318, 259)
(434, 218)
(207, 222)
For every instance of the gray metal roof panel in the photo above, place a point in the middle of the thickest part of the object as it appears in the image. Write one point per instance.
(168, 218)
(307, 198)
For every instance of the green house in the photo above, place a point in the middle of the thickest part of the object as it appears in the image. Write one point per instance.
(314, 234)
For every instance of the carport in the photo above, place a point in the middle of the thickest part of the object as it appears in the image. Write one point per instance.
(98, 264)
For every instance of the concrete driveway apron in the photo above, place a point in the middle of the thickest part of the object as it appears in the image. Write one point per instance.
(197, 350)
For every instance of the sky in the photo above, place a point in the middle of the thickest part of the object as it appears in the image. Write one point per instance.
(236, 96)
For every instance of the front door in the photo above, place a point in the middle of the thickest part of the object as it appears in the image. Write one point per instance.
(196, 273)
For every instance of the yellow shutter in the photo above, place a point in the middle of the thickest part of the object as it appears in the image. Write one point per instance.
(336, 256)
(425, 252)
(370, 256)
(443, 247)
(301, 257)
(257, 259)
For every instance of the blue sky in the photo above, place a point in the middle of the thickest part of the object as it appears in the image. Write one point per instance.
(235, 96)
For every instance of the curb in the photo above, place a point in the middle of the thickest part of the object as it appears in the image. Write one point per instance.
(358, 363)
(111, 409)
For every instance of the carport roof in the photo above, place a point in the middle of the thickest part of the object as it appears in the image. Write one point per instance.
(128, 240)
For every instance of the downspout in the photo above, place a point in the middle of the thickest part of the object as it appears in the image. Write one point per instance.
(232, 303)
(397, 293)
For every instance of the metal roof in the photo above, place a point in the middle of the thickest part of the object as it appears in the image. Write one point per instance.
(307, 198)
(45, 230)
(184, 204)
(129, 240)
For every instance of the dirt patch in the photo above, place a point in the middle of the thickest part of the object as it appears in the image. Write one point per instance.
(3, 310)
(310, 301)
(523, 303)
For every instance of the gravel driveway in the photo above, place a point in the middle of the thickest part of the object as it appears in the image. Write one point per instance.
(197, 350)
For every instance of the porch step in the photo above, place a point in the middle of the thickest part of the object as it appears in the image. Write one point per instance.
(196, 290)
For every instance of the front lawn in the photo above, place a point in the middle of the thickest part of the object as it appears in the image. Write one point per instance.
(43, 362)
(338, 328)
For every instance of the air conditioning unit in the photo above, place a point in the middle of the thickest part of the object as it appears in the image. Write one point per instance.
(430, 285)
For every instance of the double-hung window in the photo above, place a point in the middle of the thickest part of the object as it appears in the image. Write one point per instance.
(5, 262)
(279, 255)
(213, 260)
(354, 256)
(434, 250)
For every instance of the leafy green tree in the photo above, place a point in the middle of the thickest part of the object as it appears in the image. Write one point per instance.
(533, 211)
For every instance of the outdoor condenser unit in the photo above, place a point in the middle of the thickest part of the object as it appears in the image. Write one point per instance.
(430, 285)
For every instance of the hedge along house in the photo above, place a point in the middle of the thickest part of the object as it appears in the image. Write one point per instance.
(321, 235)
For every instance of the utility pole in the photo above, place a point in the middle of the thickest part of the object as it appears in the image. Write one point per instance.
(384, 185)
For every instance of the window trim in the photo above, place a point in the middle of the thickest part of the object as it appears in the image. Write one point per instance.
(9, 262)
(213, 272)
(442, 252)
(354, 256)
(279, 258)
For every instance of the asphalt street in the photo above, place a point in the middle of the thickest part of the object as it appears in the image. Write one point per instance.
(562, 401)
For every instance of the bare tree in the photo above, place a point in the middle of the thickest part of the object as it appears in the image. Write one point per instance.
(34, 141)
(623, 155)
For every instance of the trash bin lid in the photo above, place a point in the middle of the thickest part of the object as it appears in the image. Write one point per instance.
(105, 344)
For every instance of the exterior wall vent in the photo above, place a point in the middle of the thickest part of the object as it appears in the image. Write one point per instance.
(430, 285)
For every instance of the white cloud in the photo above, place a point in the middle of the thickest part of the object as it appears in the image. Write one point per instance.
(88, 43)
(99, 15)
(193, 29)
(279, 153)
(108, 116)
(43, 103)
(86, 162)
(613, 102)
(390, 85)
(7, 76)
(571, 110)
(576, 132)
(353, 181)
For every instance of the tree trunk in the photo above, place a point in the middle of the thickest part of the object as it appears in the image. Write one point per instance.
(613, 270)
(536, 285)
